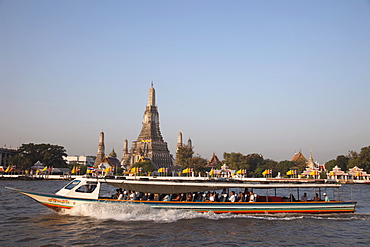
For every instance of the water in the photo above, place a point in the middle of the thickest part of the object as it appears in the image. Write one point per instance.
(24, 222)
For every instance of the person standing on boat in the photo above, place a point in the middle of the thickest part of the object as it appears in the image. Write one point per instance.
(326, 198)
(232, 196)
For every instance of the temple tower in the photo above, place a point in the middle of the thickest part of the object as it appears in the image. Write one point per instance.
(179, 140)
(150, 143)
(101, 150)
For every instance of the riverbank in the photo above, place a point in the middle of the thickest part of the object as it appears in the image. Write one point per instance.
(191, 178)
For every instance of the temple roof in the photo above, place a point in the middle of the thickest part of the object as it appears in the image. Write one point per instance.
(213, 160)
(113, 153)
(298, 157)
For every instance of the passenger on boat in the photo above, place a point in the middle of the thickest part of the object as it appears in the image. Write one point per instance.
(189, 197)
(150, 197)
(211, 197)
(232, 196)
(252, 197)
(167, 198)
(145, 197)
(177, 198)
(240, 197)
(304, 197)
(326, 197)
(317, 198)
(132, 195)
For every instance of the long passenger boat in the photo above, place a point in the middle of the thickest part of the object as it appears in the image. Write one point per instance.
(86, 190)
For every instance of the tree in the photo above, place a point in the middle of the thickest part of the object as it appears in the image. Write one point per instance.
(199, 164)
(284, 166)
(342, 162)
(235, 161)
(47, 154)
(146, 166)
(364, 159)
(184, 156)
(254, 160)
(330, 165)
(353, 159)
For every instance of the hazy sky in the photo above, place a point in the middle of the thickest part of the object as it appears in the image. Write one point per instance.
(268, 77)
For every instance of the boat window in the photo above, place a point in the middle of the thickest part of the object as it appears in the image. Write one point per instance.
(86, 188)
(72, 184)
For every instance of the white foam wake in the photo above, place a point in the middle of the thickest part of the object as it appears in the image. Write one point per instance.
(141, 212)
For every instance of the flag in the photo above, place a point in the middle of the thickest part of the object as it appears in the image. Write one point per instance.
(239, 172)
(135, 169)
(313, 173)
(44, 169)
(73, 170)
(161, 170)
(187, 170)
(331, 173)
(270, 171)
(7, 169)
(78, 169)
(290, 172)
(211, 172)
(90, 169)
(106, 170)
(265, 172)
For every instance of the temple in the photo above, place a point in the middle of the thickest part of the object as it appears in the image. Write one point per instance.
(150, 144)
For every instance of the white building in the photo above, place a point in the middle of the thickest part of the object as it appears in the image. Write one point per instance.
(79, 159)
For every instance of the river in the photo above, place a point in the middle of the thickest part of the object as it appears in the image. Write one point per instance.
(24, 222)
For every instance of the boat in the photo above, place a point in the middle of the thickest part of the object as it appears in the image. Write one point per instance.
(85, 190)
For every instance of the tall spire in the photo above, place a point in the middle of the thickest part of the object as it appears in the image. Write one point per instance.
(151, 96)
(179, 139)
(101, 150)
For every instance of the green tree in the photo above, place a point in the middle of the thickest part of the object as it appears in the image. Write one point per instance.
(47, 154)
(199, 164)
(254, 160)
(364, 159)
(353, 159)
(330, 165)
(146, 166)
(284, 166)
(342, 162)
(235, 161)
(184, 156)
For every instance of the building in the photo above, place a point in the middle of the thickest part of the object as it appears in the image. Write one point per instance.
(5, 153)
(150, 143)
(213, 161)
(79, 159)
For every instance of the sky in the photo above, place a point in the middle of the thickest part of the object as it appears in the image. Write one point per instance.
(267, 77)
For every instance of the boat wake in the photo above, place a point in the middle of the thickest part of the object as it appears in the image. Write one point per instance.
(130, 212)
